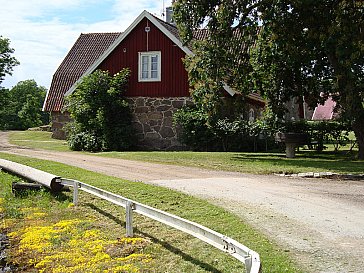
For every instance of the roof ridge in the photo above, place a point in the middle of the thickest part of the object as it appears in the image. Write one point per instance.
(91, 33)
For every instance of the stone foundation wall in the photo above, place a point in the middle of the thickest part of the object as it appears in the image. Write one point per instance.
(153, 122)
(58, 121)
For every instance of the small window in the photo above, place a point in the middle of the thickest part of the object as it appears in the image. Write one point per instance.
(251, 115)
(150, 66)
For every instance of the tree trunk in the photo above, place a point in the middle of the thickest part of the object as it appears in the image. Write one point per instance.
(358, 128)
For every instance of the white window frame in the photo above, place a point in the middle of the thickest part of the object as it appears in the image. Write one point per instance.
(149, 54)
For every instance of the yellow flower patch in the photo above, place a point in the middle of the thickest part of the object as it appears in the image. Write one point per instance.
(66, 247)
(133, 241)
(36, 238)
(7, 223)
(36, 215)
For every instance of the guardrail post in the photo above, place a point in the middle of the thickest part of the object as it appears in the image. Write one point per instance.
(129, 218)
(75, 192)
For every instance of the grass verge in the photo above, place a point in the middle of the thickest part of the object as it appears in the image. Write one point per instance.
(170, 250)
(258, 163)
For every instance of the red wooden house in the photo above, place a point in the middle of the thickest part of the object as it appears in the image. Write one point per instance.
(158, 85)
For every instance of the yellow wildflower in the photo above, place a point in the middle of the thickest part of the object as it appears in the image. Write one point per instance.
(36, 215)
(64, 247)
(93, 233)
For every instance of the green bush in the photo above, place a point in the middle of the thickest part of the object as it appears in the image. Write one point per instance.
(196, 133)
(202, 133)
(85, 141)
(100, 113)
(321, 132)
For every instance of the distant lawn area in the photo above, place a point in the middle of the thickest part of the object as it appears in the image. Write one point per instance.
(38, 140)
(257, 163)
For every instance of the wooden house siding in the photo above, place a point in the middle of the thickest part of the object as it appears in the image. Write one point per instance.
(174, 78)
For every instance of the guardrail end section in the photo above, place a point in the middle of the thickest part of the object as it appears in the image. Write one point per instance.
(252, 263)
(74, 184)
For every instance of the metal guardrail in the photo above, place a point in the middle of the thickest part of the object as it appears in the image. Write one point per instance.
(247, 256)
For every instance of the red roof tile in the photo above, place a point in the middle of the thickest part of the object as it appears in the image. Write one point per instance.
(86, 50)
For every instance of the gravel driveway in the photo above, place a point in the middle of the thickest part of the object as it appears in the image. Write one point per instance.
(319, 221)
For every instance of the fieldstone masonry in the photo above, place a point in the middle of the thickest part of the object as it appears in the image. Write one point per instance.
(153, 122)
(59, 119)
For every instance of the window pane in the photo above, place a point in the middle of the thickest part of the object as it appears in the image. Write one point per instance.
(154, 59)
(145, 68)
(154, 75)
(154, 66)
(145, 60)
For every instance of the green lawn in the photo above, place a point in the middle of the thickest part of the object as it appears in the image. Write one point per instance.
(171, 250)
(258, 163)
(38, 140)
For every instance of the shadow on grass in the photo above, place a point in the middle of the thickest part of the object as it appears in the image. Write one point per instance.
(306, 161)
(155, 240)
(25, 193)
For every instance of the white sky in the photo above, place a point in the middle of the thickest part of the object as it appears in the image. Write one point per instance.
(43, 31)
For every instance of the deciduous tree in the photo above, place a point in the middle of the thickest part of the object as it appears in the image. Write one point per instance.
(22, 106)
(284, 49)
(7, 62)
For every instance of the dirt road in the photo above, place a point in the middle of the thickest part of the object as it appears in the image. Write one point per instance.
(319, 221)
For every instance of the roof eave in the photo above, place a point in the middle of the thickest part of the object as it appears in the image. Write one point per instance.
(45, 101)
(228, 89)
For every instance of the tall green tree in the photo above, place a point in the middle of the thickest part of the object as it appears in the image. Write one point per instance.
(22, 106)
(7, 61)
(4, 109)
(284, 49)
